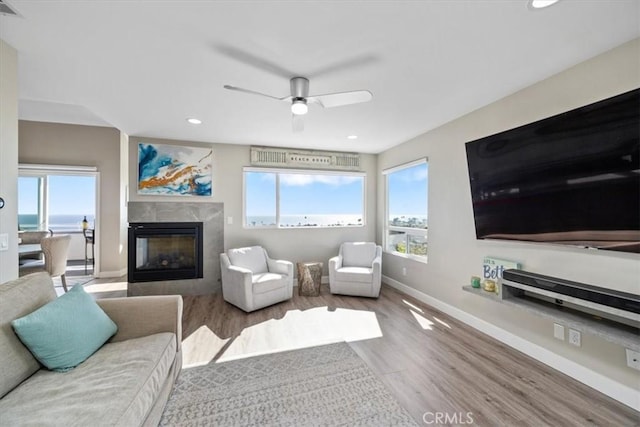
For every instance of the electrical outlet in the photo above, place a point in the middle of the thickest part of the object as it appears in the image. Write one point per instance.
(575, 337)
(229, 220)
(633, 359)
(404, 271)
(558, 331)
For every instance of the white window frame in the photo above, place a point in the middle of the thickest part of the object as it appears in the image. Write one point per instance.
(44, 171)
(409, 231)
(279, 171)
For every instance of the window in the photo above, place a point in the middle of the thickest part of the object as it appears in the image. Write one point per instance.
(303, 198)
(56, 198)
(405, 229)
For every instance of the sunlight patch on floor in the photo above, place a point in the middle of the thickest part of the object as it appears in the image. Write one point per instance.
(301, 329)
(441, 322)
(413, 306)
(106, 287)
(422, 321)
(201, 347)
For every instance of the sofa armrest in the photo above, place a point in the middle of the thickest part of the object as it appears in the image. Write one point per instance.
(138, 317)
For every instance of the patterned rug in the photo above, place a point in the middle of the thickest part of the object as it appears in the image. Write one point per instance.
(328, 385)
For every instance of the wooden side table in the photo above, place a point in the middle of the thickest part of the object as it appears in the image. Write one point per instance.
(309, 278)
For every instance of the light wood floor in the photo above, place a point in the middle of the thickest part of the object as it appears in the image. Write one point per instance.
(429, 361)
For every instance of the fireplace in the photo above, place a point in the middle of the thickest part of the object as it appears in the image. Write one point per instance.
(164, 251)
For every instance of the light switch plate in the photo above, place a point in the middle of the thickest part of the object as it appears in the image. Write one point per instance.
(4, 242)
(558, 331)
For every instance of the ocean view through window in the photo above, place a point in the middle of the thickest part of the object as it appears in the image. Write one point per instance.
(56, 199)
(303, 198)
(405, 231)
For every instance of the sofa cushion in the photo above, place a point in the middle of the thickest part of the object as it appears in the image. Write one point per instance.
(252, 258)
(355, 274)
(64, 332)
(117, 386)
(266, 282)
(358, 254)
(19, 298)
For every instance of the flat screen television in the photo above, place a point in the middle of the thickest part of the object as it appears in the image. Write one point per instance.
(571, 179)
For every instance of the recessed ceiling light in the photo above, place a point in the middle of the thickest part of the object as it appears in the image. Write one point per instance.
(541, 4)
(352, 137)
(194, 121)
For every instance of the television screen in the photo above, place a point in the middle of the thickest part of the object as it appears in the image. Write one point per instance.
(573, 178)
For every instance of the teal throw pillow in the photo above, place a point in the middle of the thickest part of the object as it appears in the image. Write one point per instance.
(65, 332)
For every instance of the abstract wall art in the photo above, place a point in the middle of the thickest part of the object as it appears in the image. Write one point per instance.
(174, 170)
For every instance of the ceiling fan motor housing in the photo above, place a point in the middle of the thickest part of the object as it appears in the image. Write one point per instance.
(299, 87)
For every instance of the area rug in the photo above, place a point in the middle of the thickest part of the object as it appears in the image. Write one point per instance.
(328, 385)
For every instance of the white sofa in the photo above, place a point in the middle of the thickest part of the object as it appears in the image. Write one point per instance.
(357, 270)
(251, 280)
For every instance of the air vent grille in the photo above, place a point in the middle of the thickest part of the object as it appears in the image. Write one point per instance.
(5, 9)
(292, 158)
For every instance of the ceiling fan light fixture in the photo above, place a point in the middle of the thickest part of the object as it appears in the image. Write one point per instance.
(299, 106)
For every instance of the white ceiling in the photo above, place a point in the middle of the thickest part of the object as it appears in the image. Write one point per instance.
(145, 66)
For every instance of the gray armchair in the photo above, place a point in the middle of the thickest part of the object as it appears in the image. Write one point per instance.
(357, 270)
(251, 280)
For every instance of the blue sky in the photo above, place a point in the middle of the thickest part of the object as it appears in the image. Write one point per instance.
(333, 194)
(408, 191)
(68, 195)
(304, 194)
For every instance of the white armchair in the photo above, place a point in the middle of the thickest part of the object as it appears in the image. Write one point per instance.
(357, 270)
(251, 280)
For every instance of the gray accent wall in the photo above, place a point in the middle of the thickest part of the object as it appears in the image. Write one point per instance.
(79, 145)
(454, 252)
(291, 244)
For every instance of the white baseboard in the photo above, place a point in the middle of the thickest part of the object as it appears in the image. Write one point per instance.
(110, 274)
(620, 392)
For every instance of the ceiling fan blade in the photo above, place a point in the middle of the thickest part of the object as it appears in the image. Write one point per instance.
(297, 123)
(253, 92)
(341, 98)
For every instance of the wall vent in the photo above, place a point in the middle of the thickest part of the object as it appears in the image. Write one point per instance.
(7, 10)
(308, 159)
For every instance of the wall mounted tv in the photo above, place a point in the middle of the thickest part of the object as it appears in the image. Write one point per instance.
(571, 179)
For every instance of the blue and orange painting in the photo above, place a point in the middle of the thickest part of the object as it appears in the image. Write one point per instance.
(174, 170)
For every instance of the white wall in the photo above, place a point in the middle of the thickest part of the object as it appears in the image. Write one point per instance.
(292, 244)
(9, 159)
(454, 252)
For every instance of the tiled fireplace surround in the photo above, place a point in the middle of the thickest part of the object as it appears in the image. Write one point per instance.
(211, 215)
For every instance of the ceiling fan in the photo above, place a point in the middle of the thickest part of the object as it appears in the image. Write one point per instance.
(300, 99)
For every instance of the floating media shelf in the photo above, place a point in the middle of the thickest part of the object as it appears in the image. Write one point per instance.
(611, 331)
